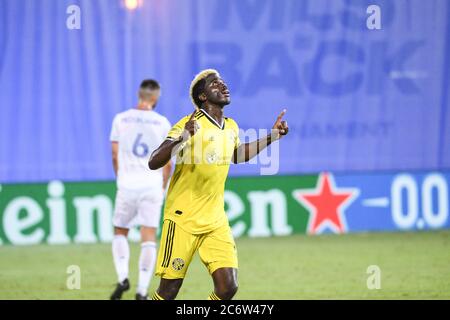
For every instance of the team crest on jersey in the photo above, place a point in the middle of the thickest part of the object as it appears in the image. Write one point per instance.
(211, 157)
(177, 264)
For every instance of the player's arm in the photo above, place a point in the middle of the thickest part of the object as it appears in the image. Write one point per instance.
(246, 151)
(162, 155)
(115, 151)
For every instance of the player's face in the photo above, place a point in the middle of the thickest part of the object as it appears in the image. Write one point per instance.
(216, 90)
(154, 97)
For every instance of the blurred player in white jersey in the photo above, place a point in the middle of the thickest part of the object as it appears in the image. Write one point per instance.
(135, 134)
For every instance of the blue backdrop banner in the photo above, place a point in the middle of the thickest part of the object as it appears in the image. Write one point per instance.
(357, 98)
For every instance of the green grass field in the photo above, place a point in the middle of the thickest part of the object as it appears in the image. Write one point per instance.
(413, 266)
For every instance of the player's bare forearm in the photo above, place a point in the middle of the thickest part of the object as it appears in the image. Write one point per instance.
(115, 166)
(166, 173)
(168, 148)
(161, 156)
(247, 151)
(114, 153)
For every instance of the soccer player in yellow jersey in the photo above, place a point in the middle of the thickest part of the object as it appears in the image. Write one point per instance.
(205, 143)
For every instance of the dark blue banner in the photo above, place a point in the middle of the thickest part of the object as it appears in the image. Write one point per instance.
(366, 87)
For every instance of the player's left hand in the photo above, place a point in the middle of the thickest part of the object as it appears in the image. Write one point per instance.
(280, 128)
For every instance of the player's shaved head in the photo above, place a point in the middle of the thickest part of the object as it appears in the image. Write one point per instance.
(150, 91)
(150, 84)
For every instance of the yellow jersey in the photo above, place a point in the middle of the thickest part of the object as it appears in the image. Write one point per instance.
(195, 199)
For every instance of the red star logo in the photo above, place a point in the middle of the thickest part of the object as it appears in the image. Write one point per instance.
(326, 204)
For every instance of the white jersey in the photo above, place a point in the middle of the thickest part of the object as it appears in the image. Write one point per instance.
(138, 133)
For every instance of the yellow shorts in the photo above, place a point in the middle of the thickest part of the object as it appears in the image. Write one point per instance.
(177, 247)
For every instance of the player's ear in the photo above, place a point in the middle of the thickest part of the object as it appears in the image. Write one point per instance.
(202, 97)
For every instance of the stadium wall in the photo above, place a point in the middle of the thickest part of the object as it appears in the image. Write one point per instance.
(81, 212)
(358, 99)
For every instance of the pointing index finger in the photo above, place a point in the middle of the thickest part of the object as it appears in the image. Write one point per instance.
(281, 114)
(192, 115)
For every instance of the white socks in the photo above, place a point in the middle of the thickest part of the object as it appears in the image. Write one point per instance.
(121, 256)
(146, 266)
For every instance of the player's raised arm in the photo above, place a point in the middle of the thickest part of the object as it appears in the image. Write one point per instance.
(246, 151)
(161, 156)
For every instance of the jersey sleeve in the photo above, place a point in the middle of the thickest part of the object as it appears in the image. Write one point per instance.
(237, 140)
(114, 135)
(177, 129)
